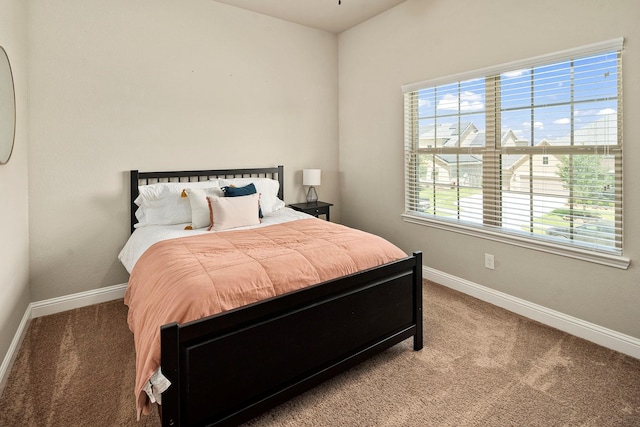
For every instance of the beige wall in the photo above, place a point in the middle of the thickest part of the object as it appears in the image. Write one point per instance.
(424, 39)
(161, 85)
(14, 221)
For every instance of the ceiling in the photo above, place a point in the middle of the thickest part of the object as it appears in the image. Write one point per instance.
(326, 15)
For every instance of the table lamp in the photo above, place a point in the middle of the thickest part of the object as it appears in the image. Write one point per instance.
(311, 177)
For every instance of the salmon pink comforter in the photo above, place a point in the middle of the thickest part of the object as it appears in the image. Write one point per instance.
(184, 279)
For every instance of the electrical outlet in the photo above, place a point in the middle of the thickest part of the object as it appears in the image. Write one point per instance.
(489, 261)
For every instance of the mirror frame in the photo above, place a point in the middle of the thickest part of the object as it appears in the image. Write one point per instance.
(8, 114)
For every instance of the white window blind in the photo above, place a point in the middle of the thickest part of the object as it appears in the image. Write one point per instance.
(531, 150)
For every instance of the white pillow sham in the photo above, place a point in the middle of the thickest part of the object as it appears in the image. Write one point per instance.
(232, 212)
(162, 204)
(200, 212)
(267, 187)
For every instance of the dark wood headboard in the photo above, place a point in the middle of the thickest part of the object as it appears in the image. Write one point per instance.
(144, 178)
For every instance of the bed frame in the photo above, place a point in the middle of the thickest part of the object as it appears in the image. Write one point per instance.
(231, 367)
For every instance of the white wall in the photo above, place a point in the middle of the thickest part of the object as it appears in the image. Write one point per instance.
(14, 225)
(161, 85)
(424, 39)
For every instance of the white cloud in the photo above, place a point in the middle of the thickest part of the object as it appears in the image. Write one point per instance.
(536, 125)
(514, 73)
(469, 101)
(606, 111)
(592, 112)
(562, 121)
(424, 103)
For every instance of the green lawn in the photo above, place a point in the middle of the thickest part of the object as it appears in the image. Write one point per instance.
(560, 218)
(447, 200)
(447, 197)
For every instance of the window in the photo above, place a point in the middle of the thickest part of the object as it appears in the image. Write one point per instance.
(529, 153)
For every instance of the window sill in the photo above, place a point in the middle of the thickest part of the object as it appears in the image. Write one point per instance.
(584, 255)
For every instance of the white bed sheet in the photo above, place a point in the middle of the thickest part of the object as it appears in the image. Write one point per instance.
(144, 237)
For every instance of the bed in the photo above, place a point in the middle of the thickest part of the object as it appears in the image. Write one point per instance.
(228, 367)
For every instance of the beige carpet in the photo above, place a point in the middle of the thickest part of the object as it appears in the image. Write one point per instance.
(481, 366)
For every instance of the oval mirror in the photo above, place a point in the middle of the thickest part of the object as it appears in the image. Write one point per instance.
(7, 108)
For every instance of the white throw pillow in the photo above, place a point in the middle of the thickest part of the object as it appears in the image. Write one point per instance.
(200, 212)
(232, 212)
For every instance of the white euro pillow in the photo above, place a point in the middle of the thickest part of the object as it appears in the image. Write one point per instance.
(163, 204)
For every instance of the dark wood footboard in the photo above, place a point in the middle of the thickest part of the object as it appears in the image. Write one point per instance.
(229, 368)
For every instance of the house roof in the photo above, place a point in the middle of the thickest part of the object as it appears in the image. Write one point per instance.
(446, 134)
(460, 158)
(602, 131)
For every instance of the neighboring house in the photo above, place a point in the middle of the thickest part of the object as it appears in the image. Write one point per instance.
(518, 171)
(444, 167)
(470, 165)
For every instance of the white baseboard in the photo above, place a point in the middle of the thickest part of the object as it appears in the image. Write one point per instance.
(52, 306)
(589, 331)
(81, 299)
(12, 352)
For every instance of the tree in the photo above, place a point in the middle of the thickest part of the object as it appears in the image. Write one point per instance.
(587, 176)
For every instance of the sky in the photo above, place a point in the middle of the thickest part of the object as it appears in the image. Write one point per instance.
(583, 90)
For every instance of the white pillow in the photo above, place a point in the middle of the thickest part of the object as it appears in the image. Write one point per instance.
(162, 204)
(267, 187)
(200, 212)
(232, 212)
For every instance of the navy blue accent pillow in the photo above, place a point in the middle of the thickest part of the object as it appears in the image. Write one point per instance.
(242, 191)
(239, 191)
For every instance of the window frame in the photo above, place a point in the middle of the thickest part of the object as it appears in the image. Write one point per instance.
(485, 230)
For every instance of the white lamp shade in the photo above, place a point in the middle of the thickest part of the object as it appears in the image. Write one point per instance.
(311, 176)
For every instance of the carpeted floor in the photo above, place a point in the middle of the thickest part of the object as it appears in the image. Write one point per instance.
(481, 366)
